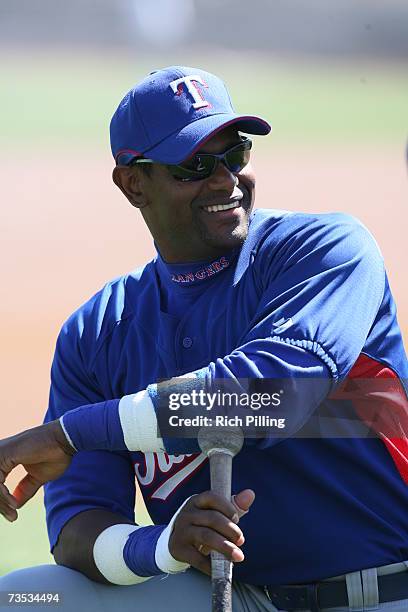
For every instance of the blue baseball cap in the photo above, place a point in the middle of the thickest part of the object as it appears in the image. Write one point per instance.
(171, 113)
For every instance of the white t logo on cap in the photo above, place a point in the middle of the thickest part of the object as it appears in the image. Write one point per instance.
(195, 93)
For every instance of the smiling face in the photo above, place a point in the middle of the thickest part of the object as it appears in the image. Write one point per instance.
(192, 221)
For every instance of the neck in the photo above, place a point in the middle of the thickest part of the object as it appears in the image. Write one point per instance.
(177, 255)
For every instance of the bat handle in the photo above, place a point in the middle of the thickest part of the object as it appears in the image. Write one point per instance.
(221, 568)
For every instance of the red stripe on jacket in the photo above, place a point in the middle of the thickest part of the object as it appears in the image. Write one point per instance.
(381, 402)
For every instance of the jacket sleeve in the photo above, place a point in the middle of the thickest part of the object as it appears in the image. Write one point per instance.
(321, 287)
(95, 479)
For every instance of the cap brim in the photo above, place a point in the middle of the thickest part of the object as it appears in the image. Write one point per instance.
(177, 147)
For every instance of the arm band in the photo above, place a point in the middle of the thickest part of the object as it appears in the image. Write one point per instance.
(108, 555)
(114, 425)
(129, 554)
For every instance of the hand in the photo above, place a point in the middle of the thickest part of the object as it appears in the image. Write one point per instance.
(209, 522)
(45, 454)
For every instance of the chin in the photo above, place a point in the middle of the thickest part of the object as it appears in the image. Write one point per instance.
(232, 240)
(220, 237)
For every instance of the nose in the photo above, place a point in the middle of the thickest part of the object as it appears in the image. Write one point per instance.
(222, 179)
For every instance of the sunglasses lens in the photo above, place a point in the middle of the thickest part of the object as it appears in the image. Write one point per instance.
(201, 166)
(236, 160)
(195, 169)
(181, 173)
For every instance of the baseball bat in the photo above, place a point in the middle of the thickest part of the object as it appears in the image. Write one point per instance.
(221, 444)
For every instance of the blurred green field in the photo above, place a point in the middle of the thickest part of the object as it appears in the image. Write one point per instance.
(25, 541)
(67, 100)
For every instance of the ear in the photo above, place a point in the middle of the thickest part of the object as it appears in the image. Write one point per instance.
(130, 182)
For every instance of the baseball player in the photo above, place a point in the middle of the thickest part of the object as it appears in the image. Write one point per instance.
(319, 520)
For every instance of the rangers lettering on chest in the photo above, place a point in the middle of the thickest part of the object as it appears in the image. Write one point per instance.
(163, 473)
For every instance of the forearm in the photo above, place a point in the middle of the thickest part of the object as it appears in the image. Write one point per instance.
(108, 425)
(107, 547)
(75, 546)
(135, 421)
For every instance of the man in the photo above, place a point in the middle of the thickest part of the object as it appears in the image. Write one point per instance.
(296, 302)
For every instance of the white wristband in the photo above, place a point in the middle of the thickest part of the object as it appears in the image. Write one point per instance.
(139, 423)
(109, 545)
(108, 555)
(164, 560)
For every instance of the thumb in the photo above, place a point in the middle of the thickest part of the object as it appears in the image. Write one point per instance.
(243, 501)
(26, 489)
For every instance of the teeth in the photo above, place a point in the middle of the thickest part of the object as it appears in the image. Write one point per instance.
(219, 207)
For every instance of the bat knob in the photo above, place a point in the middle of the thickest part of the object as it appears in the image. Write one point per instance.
(221, 439)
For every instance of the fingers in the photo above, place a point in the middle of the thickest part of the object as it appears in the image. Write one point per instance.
(6, 496)
(10, 514)
(240, 503)
(199, 561)
(45, 454)
(8, 504)
(208, 522)
(243, 501)
(26, 489)
(215, 517)
(211, 501)
(204, 550)
(219, 523)
(212, 540)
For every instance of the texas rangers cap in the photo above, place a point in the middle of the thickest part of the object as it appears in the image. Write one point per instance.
(171, 113)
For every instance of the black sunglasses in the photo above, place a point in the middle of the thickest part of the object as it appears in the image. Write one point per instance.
(201, 165)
